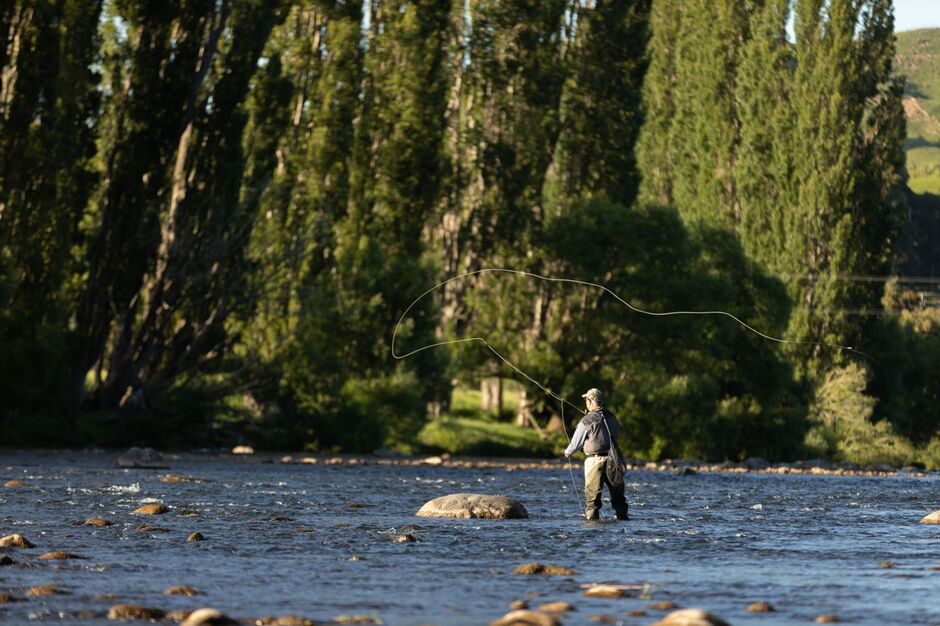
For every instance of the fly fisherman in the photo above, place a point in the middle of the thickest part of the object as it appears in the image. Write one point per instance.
(596, 435)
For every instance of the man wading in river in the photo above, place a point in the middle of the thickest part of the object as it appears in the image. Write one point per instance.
(596, 434)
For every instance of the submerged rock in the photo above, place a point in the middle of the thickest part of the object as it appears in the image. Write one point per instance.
(146, 528)
(141, 458)
(691, 617)
(760, 607)
(5, 560)
(473, 505)
(827, 619)
(284, 620)
(151, 509)
(532, 569)
(6, 598)
(605, 591)
(173, 478)
(357, 619)
(196, 537)
(132, 611)
(555, 607)
(97, 521)
(933, 518)
(207, 616)
(15, 541)
(523, 617)
(665, 605)
(243, 450)
(14, 483)
(182, 590)
(45, 590)
(59, 555)
(404, 539)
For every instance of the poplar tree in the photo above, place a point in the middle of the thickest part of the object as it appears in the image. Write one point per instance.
(48, 119)
(601, 111)
(846, 166)
(341, 366)
(166, 218)
(764, 165)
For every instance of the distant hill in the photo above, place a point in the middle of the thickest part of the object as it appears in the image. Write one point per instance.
(919, 60)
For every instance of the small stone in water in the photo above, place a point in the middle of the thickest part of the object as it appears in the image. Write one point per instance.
(518, 605)
(196, 537)
(531, 569)
(151, 509)
(556, 607)
(182, 590)
(637, 613)
(97, 521)
(526, 618)
(177, 615)
(662, 606)
(15, 541)
(358, 619)
(760, 607)
(131, 611)
(602, 618)
(200, 617)
(355, 557)
(281, 518)
(6, 598)
(173, 478)
(887, 564)
(404, 539)
(827, 619)
(5, 560)
(59, 555)
(44, 590)
(146, 528)
(14, 483)
(284, 620)
(605, 591)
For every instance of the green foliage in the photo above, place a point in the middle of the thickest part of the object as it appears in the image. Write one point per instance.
(479, 436)
(212, 214)
(842, 426)
(712, 390)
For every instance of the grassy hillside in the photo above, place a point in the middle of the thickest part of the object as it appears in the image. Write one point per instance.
(919, 61)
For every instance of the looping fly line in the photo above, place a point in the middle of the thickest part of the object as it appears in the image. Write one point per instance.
(574, 281)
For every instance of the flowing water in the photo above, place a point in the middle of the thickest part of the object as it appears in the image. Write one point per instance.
(808, 545)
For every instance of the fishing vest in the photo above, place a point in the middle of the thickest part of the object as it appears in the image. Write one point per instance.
(597, 439)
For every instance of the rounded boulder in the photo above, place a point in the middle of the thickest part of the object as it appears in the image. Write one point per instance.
(691, 617)
(473, 506)
(933, 518)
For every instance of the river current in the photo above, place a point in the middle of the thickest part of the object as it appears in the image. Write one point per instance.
(317, 541)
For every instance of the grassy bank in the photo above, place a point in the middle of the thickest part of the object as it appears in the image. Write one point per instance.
(468, 430)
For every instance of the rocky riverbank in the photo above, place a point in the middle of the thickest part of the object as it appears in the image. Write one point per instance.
(753, 465)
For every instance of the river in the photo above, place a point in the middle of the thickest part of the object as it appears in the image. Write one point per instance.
(808, 545)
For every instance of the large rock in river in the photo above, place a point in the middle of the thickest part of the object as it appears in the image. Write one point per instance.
(473, 505)
(691, 617)
(933, 518)
(141, 458)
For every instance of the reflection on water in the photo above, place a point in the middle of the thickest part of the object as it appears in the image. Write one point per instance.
(316, 541)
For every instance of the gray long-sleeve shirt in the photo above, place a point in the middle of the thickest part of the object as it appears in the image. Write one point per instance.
(591, 435)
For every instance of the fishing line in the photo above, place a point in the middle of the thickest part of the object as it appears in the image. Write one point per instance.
(585, 283)
(576, 492)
